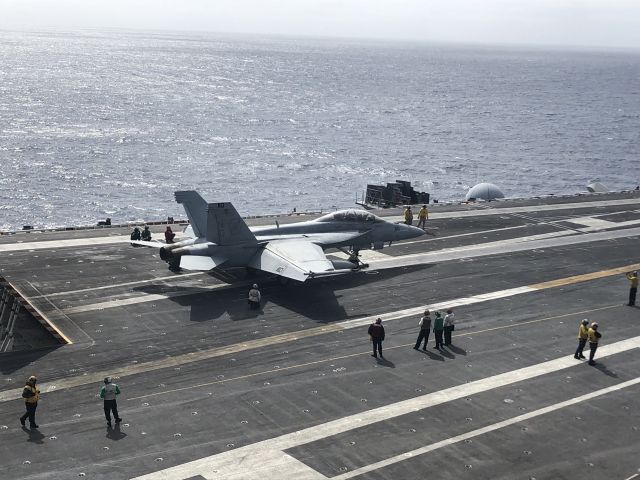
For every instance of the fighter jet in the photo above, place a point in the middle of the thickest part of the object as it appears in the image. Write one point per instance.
(220, 240)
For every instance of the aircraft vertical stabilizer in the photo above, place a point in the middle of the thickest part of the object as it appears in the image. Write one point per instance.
(226, 227)
(196, 208)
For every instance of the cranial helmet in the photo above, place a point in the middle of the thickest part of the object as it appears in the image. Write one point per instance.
(585, 321)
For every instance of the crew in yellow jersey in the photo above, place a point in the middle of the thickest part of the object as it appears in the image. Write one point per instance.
(31, 396)
(408, 216)
(583, 336)
(423, 215)
(594, 336)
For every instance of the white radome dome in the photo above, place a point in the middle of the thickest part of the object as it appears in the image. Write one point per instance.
(484, 191)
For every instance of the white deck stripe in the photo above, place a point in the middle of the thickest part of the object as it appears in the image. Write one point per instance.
(153, 297)
(549, 240)
(119, 285)
(8, 395)
(264, 459)
(557, 239)
(487, 429)
(71, 382)
(80, 242)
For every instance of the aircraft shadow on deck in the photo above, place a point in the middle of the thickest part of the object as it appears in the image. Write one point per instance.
(315, 299)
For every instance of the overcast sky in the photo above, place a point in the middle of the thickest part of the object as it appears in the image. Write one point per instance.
(604, 23)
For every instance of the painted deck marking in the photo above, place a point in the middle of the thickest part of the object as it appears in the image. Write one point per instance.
(265, 459)
(80, 242)
(293, 336)
(487, 429)
(367, 353)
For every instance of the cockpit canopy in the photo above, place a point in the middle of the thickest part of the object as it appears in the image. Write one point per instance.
(351, 215)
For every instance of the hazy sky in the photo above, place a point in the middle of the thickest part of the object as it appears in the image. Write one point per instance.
(559, 22)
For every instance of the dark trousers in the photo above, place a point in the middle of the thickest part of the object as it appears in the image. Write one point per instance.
(632, 295)
(447, 334)
(254, 305)
(438, 334)
(423, 335)
(111, 406)
(581, 343)
(377, 344)
(31, 413)
(593, 347)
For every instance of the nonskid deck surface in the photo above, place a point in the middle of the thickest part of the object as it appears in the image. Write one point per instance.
(214, 390)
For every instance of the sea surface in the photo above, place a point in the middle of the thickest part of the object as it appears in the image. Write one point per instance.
(110, 124)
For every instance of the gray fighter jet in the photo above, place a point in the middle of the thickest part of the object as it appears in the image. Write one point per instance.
(219, 240)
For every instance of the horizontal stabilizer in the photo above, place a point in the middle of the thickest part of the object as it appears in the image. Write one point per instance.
(198, 262)
(295, 259)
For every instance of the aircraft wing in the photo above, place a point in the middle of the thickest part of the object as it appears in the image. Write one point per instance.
(296, 259)
(144, 243)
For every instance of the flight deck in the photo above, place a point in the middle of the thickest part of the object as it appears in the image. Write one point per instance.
(214, 390)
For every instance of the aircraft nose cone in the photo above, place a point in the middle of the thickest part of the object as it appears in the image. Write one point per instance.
(407, 231)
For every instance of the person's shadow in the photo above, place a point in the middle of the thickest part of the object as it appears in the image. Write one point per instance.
(603, 368)
(34, 435)
(385, 363)
(433, 355)
(456, 350)
(115, 433)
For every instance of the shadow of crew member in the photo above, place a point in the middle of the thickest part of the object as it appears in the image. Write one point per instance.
(31, 396)
(376, 334)
(108, 393)
(254, 297)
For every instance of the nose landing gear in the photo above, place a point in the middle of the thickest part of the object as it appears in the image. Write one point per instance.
(354, 257)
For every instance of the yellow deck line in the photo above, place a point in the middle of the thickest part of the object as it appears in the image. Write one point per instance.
(197, 356)
(585, 277)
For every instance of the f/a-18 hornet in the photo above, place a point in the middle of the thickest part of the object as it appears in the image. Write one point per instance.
(220, 240)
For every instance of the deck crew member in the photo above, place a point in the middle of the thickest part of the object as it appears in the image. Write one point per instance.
(108, 393)
(594, 335)
(376, 333)
(169, 235)
(448, 326)
(135, 235)
(31, 396)
(583, 336)
(425, 328)
(254, 297)
(633, 290)
(146, 234)
(423, 215)
(438, 329)
(408, 216)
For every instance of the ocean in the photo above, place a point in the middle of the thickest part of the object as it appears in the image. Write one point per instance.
(110, 124)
